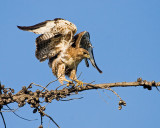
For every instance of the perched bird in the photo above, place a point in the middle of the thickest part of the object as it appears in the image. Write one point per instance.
(64, 50)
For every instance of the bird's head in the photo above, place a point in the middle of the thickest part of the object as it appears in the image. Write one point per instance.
(82, 53)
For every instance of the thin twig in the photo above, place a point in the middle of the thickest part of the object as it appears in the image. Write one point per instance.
(52, 120)
(72, 99)
(44, 88)
(3, 120)
(10, 110)
(50, 83)
(114, 93)
(107, 94)
(60, 86)
(7, 109)
(44, 114)
(79, 75)
(102, 97)
(20, 116)
(41, 119)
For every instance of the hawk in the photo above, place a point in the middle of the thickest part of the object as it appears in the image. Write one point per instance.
(64, 50)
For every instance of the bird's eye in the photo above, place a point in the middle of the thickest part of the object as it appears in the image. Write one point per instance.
(85, 53)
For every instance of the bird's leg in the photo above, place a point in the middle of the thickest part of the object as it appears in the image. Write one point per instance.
(62, 79)
(74, 78)
(61, 75)
(86, 55)
(69, 82)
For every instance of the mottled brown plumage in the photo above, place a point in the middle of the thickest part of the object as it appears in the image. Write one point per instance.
(64, 50)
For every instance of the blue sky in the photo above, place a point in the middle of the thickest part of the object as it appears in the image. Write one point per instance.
(126, 39)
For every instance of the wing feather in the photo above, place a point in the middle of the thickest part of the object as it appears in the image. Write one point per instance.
(39, 28)
(56, 36)
(83, 41)
(55, 26)
(48, 48)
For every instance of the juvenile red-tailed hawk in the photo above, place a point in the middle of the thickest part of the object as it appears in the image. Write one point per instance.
(62, 47)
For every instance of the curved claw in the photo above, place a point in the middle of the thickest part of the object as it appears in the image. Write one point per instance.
(69, 82)
(79, 83)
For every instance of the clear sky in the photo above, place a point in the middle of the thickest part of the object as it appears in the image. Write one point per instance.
(126, 39)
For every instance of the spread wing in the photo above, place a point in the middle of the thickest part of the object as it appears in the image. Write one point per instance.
(56, 35)
(83, 41)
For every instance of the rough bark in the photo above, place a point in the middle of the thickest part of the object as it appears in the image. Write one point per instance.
(26, 95)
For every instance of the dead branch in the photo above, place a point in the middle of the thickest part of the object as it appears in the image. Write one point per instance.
(26, 95)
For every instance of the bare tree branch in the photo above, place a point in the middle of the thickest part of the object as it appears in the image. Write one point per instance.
(26, 95)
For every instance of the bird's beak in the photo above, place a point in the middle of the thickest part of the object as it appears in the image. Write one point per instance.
(87, 56)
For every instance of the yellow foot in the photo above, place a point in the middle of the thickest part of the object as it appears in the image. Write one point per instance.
(79, 83)
(69, 82)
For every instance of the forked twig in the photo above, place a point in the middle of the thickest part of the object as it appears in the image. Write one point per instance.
(20, 116)
(49, 84)
(44, 114)
(44, 88)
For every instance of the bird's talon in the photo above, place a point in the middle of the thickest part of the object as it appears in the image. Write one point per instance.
(79, 83)
(69, 83)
